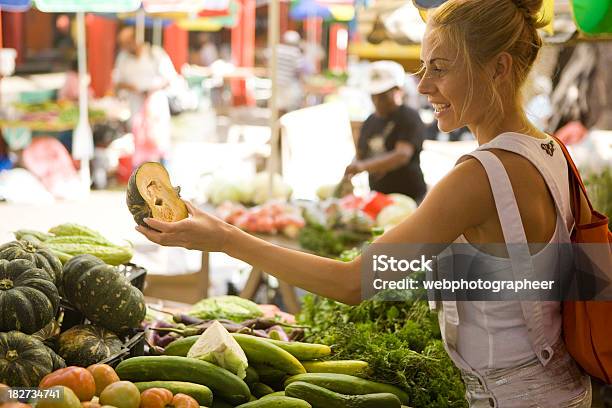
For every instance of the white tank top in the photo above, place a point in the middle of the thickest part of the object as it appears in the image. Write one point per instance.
(494, 334)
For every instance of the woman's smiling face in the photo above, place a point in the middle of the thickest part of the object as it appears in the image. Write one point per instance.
(446, 83)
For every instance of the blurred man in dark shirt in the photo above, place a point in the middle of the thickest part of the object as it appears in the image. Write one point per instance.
(391, 138)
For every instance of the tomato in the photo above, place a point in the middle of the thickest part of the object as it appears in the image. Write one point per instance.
(68, 399)
(77, 379)
(103, 375)
(155, 398)
(184, 401)
(121, 394)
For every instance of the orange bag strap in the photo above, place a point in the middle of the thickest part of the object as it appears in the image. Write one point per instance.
(575, 179)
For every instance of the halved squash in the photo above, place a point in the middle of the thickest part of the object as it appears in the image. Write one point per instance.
(151, 195)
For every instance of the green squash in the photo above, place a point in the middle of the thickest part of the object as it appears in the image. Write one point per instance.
(151, 195)
(25, 360)
(103, 294)
(40, 256)
(28, 297)
(86, 344)
(73, 269)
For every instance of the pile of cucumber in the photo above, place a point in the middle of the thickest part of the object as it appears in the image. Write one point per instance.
(280, 375)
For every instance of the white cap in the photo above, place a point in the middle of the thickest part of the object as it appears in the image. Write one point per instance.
(385, 75)
(291, 37)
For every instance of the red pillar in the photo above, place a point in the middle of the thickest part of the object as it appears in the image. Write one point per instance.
(284, 17)
(243, 50)
(14, 34)
(100, 52)
(176, 44)
(338, 46)
(313, 27)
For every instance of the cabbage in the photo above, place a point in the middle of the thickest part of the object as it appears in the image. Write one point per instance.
(225, 307)
(220, 190)
(403, 201)
(218, 347)
(261, 185)
(393, 214)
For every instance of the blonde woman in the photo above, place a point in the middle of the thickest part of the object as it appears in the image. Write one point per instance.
(513, 189)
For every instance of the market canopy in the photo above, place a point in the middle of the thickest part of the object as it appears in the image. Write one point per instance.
(15, 5)
(184, 6)
(99, 6)
(303, 9)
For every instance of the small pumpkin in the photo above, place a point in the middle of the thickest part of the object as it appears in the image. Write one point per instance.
(25, 360)
(28, 297)
(155, 398)
(40, 256)
(68, 399)
(184, 401)
(85, 344)
(103, 294)
(78, 379)
(122, 394)
(104, 375)
(151, 195)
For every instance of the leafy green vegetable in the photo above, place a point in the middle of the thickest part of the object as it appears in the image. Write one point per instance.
(225, 307)
(399, 340)
(599, 187)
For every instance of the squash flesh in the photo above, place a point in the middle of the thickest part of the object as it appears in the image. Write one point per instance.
(150, 194)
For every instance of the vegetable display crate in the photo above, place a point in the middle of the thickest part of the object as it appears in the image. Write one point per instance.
(73, 317)
(133, 347)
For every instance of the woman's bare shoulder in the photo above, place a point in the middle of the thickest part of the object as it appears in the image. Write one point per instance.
(462, 197)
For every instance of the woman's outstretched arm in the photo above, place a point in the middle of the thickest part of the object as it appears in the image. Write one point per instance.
(460, 201)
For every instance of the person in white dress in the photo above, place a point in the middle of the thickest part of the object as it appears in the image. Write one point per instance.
(142, 73)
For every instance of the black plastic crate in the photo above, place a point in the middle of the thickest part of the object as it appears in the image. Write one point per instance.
(73, 317)
(135, 274)
(133, 347)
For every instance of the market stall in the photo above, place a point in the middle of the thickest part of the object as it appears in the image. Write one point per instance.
(100, 341)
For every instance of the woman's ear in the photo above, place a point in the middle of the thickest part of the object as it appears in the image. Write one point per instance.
(503, 66)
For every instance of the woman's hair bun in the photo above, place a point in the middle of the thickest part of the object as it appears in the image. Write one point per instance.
(530, 9)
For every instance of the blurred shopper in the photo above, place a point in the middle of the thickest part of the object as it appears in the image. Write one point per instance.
(70, 90)
(142, 73)
(391, 138)
(63, 41)
(290, 65)
(208, 52)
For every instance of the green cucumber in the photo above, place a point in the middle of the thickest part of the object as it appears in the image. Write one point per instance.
(261, 389)
(277, 402)
(180, 347)
(223, 383)
(347, 384)
(357, 368)
(218, 403)
(271, 376)
(301, 351)
(199, 392)
(320, 397)
(275, 394)
(259, 351)
(251, 376)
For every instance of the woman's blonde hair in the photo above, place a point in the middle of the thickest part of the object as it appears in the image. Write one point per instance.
(479, 30)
